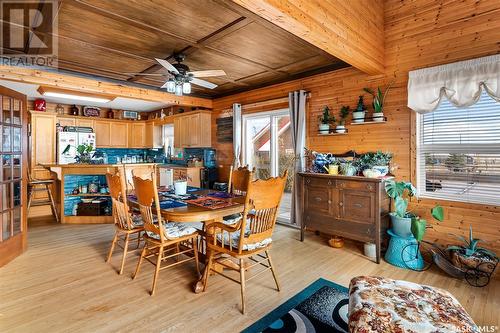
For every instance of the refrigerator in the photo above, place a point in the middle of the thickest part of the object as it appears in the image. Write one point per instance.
(73, 139)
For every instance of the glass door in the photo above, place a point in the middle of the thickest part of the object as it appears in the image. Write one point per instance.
(267, 147)
(13, 148)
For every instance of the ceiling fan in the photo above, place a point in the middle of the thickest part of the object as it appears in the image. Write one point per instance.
(180, 77)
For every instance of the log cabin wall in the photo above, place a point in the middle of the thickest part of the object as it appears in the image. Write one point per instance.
(417, 34)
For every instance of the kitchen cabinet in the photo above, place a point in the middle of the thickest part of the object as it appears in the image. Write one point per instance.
(85, 122)
(351, 207)
(43, 138)
(102, 130)
(193, 130)
(191, 174)
(137, 135)
(63, 121)
(154, 137)
(118, 135)
(43, 147)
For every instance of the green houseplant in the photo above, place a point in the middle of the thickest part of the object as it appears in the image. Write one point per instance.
(404, 223)
(344, 112)
(83, 153)
(470, 256)
(378, 101)
(325, 120)
(358, 115)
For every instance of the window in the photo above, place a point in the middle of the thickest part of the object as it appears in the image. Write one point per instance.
(458, 152)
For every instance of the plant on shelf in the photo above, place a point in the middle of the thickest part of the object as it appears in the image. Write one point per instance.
(405, 223)
(358, 115)
(325, 120)
(348, 168)
(378, 101)
(344, 112)
(374, 165)
(470, 256)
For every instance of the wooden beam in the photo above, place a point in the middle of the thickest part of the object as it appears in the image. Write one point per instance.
(63, 81)
(352, 31)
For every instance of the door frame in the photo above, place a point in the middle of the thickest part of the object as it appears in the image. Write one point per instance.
(17, 244)
(272, 115)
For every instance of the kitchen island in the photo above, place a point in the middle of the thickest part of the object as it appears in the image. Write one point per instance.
(83, 195)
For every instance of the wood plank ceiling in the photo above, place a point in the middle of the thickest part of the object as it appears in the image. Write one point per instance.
(112, 38)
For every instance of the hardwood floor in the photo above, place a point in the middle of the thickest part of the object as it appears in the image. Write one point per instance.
(63, 284)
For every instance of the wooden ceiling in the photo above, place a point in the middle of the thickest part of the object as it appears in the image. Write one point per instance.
(112, 38)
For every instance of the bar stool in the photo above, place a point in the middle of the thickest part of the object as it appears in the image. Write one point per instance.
(41, 185)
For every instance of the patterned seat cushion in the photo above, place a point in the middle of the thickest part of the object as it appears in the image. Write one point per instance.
(383, 305)
(137, 221)
(235, 241)
(174, 230)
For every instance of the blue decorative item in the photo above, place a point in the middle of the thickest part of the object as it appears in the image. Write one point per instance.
(394, 254)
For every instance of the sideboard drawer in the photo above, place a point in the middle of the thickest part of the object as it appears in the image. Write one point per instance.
(319, 182)
(355, 185)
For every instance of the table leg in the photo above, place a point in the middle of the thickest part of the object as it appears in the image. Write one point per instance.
(199, 285)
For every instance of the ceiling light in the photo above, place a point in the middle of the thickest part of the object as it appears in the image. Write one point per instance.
(74, 95)
(178, 90)
(170, 85)
(186, 88)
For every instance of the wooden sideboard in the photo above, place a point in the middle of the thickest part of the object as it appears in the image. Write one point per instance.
(352, 207)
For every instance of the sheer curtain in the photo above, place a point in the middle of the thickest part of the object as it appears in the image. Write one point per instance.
(461, 83)
(297, 107)
(237, 135)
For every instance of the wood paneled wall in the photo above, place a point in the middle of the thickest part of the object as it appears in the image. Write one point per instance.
(418, 34)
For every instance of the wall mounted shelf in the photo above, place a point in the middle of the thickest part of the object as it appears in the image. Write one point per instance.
(332, 132)
(369, 121)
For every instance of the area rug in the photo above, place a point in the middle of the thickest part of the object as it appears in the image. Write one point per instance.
(321, 307)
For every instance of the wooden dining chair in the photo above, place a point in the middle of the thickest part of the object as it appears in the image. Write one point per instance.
(238, 180)
(126, 225)
(164, 240)
(41, 185)
(251, 237)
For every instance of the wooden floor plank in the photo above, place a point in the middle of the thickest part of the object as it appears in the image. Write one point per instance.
(62, 284)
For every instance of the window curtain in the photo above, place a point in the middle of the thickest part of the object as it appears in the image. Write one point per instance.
(297, 107)
(461, 83)
(236, 135)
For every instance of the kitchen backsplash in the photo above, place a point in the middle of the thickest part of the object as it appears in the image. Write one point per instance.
(140, 155)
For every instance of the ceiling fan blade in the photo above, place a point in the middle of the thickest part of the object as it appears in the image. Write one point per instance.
(167, 65)
(146, 74)
(203, 83)
(208, 73)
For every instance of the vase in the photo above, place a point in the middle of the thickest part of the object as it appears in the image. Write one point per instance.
(348, 170)
(340, 129)
(383, 169)
(358, 116)
(378, 116)
(371, 173)
(324, 128)
(401, 226)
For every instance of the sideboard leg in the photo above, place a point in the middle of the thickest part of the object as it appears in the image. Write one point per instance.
(378, 251)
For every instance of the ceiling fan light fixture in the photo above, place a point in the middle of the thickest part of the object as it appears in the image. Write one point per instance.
(186, 88)
(170, 86)
(178, 90)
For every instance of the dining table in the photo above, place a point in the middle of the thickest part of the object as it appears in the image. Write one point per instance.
(190, 213)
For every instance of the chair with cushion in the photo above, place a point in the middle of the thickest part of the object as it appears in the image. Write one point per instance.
(238, 185)
(126, 225)
(379, 304)
(251, 237)
(164, 240)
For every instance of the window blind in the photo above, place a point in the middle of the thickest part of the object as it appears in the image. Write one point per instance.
(458, 152)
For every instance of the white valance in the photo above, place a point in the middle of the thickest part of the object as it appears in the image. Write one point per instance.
(461, 82)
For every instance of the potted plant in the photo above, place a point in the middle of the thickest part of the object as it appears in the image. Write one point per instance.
(83, 153)
(404, 223)
(380, 162)
(378, 102)
(344, 112)
(358, 115)
(470, 256)
(347, 168)
(324, 121)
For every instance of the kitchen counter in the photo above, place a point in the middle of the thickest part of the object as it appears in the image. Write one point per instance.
(177, 166)
(71, 176)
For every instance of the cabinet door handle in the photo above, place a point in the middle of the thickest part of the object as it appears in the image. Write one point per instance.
(318, 199)
(358, 205)
(329, 201)
(341, 204)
